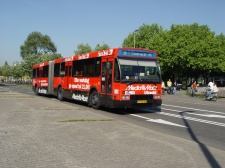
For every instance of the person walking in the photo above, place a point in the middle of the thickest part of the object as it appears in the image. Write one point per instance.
(193, 89)
(174, 87)
(169, 86)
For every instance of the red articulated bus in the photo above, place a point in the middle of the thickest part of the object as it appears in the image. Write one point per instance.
(114, 78)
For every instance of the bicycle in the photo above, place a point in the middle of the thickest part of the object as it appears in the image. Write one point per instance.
(214, 96)
(170, 90)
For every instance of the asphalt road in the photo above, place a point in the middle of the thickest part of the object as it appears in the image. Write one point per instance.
(40, 131)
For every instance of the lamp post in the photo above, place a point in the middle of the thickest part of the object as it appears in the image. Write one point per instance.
(134, 37)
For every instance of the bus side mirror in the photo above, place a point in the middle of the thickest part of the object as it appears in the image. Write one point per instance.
(108, 65)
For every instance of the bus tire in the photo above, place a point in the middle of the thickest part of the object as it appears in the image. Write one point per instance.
(95, 100)
(89, 100)
(36, 90)
(60, 94)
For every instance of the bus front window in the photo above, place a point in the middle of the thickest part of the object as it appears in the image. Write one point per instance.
(140, 71)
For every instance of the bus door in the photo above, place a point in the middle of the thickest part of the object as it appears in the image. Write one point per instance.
(51, 77)
(106, 81)
(40, 77)
(68, 74)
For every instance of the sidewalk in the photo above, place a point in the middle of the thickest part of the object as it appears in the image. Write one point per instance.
(43, 132)
(183, 93)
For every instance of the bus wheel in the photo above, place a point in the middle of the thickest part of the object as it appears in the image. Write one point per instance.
(89, 100)
(36, 90)
(60, 94)
(95, 100)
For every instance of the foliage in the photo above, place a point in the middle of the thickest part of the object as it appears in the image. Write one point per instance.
(6, 70)
(32, 60)
(184, 50)
(82, 48)
(103, 47)
(48, 57)
(37, 44)
(17, 71)
(36, 48)
(142, 36)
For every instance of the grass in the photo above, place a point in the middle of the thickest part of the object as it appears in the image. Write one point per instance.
(15, 96)
(86, 120)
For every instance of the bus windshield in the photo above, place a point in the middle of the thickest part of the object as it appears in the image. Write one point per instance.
(139, 71)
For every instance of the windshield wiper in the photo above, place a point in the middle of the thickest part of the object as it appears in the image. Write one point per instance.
(132, 82)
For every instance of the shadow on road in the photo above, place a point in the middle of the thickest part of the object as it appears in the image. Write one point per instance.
(127, 111)
(212, 161)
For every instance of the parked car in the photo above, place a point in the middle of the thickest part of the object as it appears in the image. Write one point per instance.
(179, 87)
(220, 82)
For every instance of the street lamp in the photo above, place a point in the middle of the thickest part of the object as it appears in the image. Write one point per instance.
(134, 37)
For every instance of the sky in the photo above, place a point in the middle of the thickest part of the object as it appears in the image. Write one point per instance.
(71, 22)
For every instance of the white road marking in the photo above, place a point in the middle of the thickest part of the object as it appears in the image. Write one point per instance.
(159, 121)
(194, 109)
(192, 119)
(209, 115)
(204, 115)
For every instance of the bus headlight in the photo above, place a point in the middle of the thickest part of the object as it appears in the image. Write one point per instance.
(125, 97)
(157, 96)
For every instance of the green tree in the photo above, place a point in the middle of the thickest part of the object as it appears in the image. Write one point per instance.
(28, 63)
(37, 44)
(220, 43)
(17, 71)
(188, 50)
(6, 70)
(103, 47)
(49, 57)
(142, 36)
(82, 49)
(1, 71)
(184, 50)
(37, 48)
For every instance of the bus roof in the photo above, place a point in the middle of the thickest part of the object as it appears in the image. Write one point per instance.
(117, 52)
(122, 52)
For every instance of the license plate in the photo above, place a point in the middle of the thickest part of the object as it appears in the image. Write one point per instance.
(142, 101)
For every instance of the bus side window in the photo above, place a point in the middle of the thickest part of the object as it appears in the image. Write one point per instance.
(68, 70)
(45, 71)
(35, 73)
(103, 77)
(116, 72)
(62, 69)
(41, 73)
(77, 68)
(78, 73)
(109, 81)
(97, 67)
(56, 69)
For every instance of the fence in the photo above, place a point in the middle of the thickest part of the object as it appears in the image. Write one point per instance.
(202, 90)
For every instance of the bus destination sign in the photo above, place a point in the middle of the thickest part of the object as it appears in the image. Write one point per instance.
(137, 53)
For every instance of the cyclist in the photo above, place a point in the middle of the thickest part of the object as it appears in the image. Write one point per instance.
(169, 87)
(210, 90)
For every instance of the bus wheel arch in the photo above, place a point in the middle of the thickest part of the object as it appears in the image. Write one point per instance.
(90, 96)
(60, 93)
(95, 101)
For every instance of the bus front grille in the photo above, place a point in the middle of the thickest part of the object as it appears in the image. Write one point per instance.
(141, 97)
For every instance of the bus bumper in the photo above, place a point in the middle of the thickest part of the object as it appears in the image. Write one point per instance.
(133, 103)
